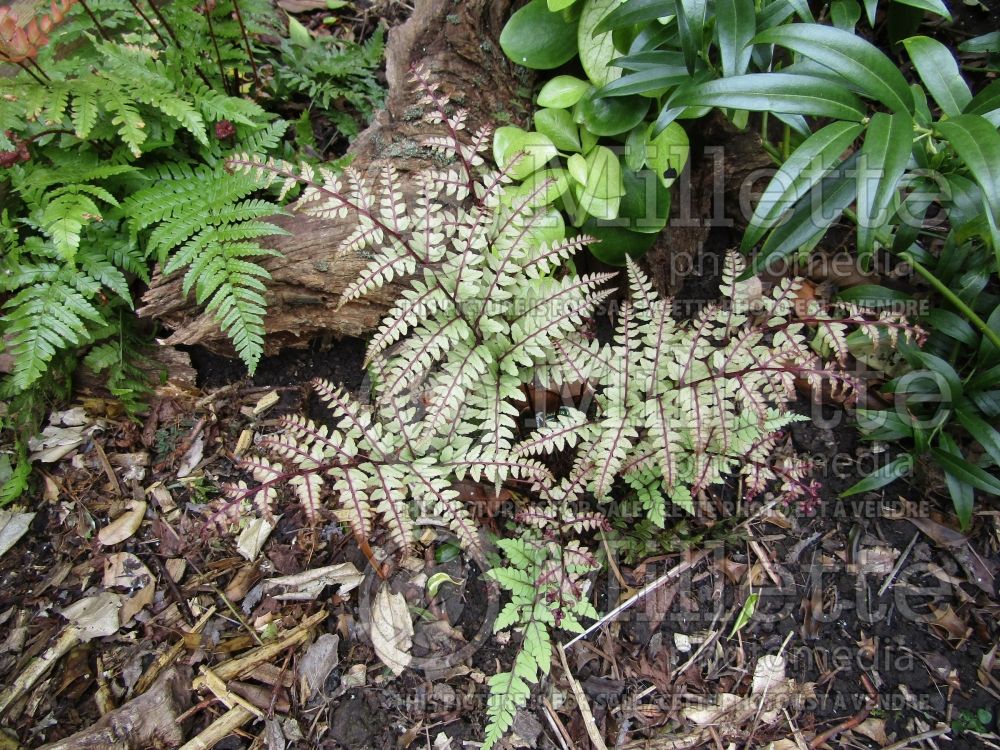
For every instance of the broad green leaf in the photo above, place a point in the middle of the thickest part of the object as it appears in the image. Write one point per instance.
(652, 60)
(987, 103)
(691, 27)
(645, 205)
(809, 218)
(804, 168)
(612, 115)
(577, 167)
(297, 33)
(597, 49)
(882, 476)
(859, 62)
(509, 141)
(546, 185)
(884, 155)
(977, 143)
(633, 12)
(558, 125)
(562, 92)
(931, 6)
(635, 147)
(769, 92)
(557, 5)
(537, 38)
(845, 14)
(668, 152)
(735, 25)
(940, 74)
(962, 496)
(604, 174)
(967, 472)
(802, 10)
(982, 44)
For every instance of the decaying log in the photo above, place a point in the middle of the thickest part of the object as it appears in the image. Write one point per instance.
(148, 721)
(455, 41)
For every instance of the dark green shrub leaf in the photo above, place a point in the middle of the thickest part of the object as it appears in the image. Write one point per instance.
(537, 38)
(940, 74)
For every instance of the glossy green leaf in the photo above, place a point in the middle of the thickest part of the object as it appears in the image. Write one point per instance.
(809, 218)
(967, 472)
(987, 103)
(559, 126)
(545, 185)
(616, 243)
(608, 116)
(940, 74)
(950, 324)
(635, 147)
(645, 204)
(597, 50)
(691, 15)
(668, 152)
(577, 166)
(858, 61)
(562, 92)
(604, 174)
(977, 143)
(872, 295)
(537, 38)
(845, 14)
(952, 387)
(746, 614)
(558, 5)
(647, 81)
(735, 25)
(510, 141)
(962, 496)
(871, 7)
(633, 12)
(931, 6)
(769, 92)
(882, 476)
(804, 168)
(982, 44)
(884, 156)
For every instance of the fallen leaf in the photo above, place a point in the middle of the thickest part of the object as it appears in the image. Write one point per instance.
(356, 676)
(873, 729)
(949, 624)
(126, 570)
(124, 526)
(314, 668)
(176, 566)
(309, 584)
(95, 616)
(252, 538)
(12, 527)
(770, 671)
(192, 458)
(391, 630)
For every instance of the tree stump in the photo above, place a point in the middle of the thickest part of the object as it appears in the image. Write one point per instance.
(456, 42)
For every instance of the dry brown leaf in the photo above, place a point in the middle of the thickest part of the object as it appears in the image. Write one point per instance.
(770, 671)
(12, 527)
(873, 729)
(309, 584)
(126, 570)
(252, 538)
(94, 616)
(947, 623)
(392, 630)
(124, 526)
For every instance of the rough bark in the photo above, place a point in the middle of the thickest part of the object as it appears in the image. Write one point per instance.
(455, 40)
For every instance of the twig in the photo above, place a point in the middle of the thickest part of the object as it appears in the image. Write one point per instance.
(929, 735)
(854, 721)
(565, 741)
(246, 43)
(97, 24)
(219, 729)
(582, 705)
(669, 575)
(38, 666)
(899, 564)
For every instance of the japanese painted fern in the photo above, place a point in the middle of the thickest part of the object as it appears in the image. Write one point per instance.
(491, 308)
